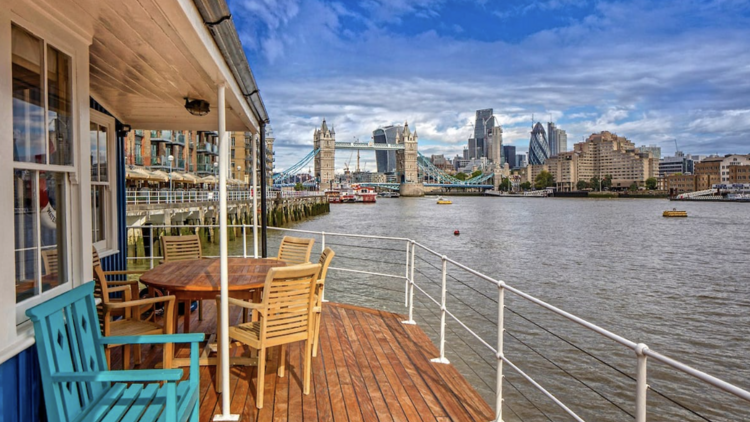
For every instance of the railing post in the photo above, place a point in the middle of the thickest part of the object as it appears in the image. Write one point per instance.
(410, 321)
(406, 277)
(323, 247)
(641, 385)
(442, 358)
(500, 352)
(244, 242)
(151, 245)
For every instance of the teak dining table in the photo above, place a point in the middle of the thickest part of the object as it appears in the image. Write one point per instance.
(199, 279)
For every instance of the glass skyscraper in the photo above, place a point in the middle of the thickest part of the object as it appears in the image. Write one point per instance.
(539, 150)
(386, 160)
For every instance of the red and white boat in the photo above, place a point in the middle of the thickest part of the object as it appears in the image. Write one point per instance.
(365, 195)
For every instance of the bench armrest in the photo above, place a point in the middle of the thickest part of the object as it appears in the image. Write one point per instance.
(138, 375)
(155, 339)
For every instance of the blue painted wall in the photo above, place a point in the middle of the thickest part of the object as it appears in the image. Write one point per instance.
(20, 388)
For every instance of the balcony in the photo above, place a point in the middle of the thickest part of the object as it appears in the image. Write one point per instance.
(204, 168)
(178, 139)
(138, 160)
(161, 136)
(208, 148)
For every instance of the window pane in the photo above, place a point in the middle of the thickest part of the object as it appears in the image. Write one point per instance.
(28, 103)
(25, 227)
(98, 214)
(59, 102)
(103, 173)
(52, 229)
(94, 141)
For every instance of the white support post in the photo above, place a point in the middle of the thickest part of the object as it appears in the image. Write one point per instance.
(244, 241)
(224, 263)
(255, 196)
(442, 358)
(641, 384)
(411, 321)
(406, 276)
(500, 353)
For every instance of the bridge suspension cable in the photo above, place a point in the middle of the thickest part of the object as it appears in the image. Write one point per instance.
(295, 168)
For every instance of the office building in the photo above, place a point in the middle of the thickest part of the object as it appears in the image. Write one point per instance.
(478, 144)
(509, 155)
(538, 146)
(680, 163)
(386, 160)
(557, 139)
(521, 161)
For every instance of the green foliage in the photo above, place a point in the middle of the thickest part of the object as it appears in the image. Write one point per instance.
(581, 185)
(607, 182)
(476, 173)
(543, 180)
(526, 185)
(595, 183)
(506, 185)
(651, 183)
(298, 187)
(461, 176)
(634, 186)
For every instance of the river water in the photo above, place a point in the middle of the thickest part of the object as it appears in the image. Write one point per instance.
(681, 286)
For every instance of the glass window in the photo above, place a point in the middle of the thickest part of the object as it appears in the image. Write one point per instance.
(42, 134)
(100, 187)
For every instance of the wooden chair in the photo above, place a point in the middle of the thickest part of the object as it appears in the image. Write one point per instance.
(325, 261)
(181, 248)
(49, 261)
(285, 317)
(75, 378)
(134, 288)
(295, 250)
(130, 323)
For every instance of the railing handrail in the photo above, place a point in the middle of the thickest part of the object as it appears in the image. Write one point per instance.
(641, 350)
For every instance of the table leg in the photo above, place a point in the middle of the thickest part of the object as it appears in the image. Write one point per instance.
(186, 326)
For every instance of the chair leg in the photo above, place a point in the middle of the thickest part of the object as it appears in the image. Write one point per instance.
(200, 310)
(137, 354)
(108, 354)
(126, 357)
(168, 355)
(307, 366)
(282, 361)
(261, 377)
(194, 415)
(316, 335)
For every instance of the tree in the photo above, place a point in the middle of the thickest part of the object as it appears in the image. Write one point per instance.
(607, 181)
(595, 183)
(298, 187)
(581, 185)
(477, 173)
(651, 183)
(461, 176)
(505, 185)
(526, 185)
(543, 180)
(634, 186)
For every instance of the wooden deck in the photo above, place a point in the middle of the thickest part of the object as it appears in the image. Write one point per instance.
(370, 367)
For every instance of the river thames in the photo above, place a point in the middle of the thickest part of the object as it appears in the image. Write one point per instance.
(681, 286)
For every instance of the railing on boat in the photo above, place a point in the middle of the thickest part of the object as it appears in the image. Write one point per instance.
(134, 197)
(409, 248)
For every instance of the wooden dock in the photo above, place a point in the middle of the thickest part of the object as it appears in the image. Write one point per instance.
(369, 367)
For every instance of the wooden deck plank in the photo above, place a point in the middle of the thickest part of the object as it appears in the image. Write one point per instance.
(369, 367)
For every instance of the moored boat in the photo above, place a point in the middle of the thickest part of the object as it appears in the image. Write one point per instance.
(675, 213)
(443, 201)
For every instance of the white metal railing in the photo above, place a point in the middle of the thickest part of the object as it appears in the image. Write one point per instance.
(133, 197)
(641, 351)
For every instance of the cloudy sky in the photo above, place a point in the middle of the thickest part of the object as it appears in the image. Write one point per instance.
(652, 71)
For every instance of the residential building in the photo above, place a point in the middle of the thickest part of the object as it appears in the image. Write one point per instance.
(386, 160)
(531, 171)
(564, 167)
(509, 155)
(606, 153)
(441, 162)
(678, 183)
(731, 161)
(538, 146)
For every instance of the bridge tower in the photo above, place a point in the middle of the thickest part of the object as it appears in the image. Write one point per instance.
(325, 139)
(406, 163)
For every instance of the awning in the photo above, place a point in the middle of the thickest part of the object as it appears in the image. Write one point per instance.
(159, 176)
(211, 180)
(190, 178)
(136, 173)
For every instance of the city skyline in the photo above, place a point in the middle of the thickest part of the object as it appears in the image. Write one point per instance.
(650, 71)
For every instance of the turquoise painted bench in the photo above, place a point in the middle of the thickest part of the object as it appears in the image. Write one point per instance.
(79, 387)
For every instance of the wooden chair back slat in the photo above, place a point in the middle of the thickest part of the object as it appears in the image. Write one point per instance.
(179, 248)
(49, 261)
(288, 302)
(69, 342)
(295, 250)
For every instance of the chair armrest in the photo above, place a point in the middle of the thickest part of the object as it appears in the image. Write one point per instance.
(127, 293)
(122, 283)
(140, 302)
(154, 339)
(124, 272)
(139, 375)
(245, 304)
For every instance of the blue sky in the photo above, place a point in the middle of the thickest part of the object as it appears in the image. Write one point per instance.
(651, 71)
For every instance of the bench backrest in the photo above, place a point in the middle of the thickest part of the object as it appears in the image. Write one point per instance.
(67, 335)
(179, 248)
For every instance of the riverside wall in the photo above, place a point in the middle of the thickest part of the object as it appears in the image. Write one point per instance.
(280, 211)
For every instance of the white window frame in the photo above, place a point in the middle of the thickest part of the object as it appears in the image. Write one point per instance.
(108, 246)
(71, 170)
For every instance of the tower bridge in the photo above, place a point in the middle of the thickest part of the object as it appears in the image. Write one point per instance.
(414, 171)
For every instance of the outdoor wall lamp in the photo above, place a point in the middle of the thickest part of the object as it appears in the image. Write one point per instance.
(197, 107)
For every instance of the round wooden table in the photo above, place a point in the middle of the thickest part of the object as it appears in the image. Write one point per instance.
(199, 279)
